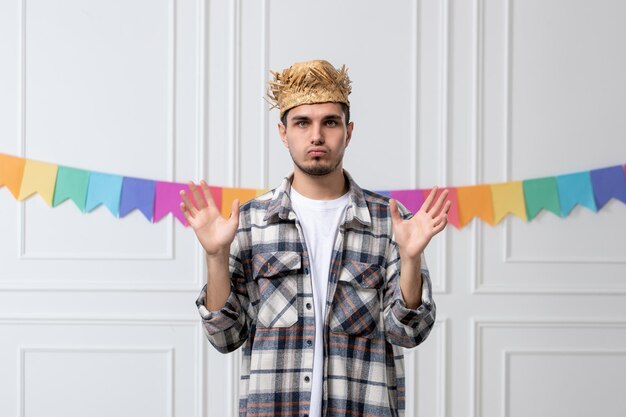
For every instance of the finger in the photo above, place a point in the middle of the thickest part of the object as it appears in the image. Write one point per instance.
(440, 201)
(395, 213)
(185, 211)
(443, 213)
(437, 220)
(207, 194)
(187, 202)
(442, 225)
(429, 200)
(234, 212)
(197, 197)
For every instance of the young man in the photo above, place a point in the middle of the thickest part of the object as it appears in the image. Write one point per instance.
(321, 281)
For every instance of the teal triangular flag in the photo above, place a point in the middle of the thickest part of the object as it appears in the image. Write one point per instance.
(575, 189)
(71, 183)
(541, 193)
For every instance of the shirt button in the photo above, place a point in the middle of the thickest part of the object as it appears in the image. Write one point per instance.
(307, 379)
(309, 342)
(308, 306)
(306, 270)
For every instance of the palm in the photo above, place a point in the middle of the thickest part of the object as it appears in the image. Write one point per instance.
(214, 232)
(413, 235)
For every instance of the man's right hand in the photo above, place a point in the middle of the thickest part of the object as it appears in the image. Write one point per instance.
(214, 232)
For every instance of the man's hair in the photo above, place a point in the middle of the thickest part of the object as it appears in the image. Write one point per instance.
(344, 107)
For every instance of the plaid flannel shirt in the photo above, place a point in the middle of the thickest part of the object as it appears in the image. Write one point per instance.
(270, 310)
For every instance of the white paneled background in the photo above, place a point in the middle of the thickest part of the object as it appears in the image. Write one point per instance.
(97, 314)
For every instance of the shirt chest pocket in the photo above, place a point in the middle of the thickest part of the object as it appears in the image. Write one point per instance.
(276, 276)
(356, 306)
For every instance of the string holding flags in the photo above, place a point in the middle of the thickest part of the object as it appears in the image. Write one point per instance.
(156, 199)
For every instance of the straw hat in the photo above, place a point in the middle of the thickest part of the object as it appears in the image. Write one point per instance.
(308, 82)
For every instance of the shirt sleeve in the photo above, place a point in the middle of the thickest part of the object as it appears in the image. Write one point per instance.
(228, 328)
(404, 326)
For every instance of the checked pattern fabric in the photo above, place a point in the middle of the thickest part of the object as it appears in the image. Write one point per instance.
(269, 314)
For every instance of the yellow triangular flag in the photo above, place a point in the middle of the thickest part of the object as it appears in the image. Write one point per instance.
(508, 197)
(39, 177)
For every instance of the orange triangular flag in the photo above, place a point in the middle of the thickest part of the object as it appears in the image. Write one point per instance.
(230, 194)
(474, 200)
(508, 197)
(39, 177)
(11, 173)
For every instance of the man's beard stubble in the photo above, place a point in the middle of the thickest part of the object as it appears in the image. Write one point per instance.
(318, 170)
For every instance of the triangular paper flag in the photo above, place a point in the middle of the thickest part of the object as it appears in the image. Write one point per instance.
(539, 194)
(137, 193)
(608, 183)
(475, 201)
(39, 177)
(575, 189)
(11, 173)
(230, 194)
(167, 200)
(411, 199)
(71, 183)
(508, 197)
(104, 189)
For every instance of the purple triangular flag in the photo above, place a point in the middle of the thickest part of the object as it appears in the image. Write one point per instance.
(167, 200)
(137, 194)
(411, 199)
(608, 183)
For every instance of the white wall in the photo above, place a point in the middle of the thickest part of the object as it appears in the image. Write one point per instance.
(96, 313)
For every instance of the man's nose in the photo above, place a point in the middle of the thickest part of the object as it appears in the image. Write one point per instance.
(317, 136)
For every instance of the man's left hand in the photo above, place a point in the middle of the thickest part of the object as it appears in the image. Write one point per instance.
(413, 235)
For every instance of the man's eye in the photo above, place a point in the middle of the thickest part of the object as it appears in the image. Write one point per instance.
(301, 124)
(331, 123)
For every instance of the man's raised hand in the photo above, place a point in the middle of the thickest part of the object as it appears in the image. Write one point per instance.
(214, 232)
(414, 234)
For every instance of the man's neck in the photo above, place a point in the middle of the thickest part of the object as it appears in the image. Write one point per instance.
(324, 187)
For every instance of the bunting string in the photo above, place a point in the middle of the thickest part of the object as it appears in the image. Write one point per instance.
(490, 203)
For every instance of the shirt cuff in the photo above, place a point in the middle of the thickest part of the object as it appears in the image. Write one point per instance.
(408, 316)
(219, 320)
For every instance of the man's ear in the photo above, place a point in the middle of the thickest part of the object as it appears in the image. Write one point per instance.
(349, 132)
(282, 131)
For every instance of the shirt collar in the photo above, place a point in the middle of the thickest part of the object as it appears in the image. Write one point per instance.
(280, 205)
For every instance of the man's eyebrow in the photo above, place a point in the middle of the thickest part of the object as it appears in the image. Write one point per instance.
(299, 118)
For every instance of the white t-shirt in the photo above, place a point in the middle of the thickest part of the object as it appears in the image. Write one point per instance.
(320, 220)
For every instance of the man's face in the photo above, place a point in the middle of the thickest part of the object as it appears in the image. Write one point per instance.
(316, 136)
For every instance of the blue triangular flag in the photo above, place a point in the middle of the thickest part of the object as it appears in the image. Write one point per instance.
(104, 189)
(575, 189)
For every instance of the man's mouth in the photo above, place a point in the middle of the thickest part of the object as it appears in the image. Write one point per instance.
(315, 153)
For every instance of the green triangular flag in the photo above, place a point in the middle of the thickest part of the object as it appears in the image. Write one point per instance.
(71, 183)
(541, 193)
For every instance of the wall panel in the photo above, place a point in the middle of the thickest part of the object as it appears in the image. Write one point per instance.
(573, 366)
